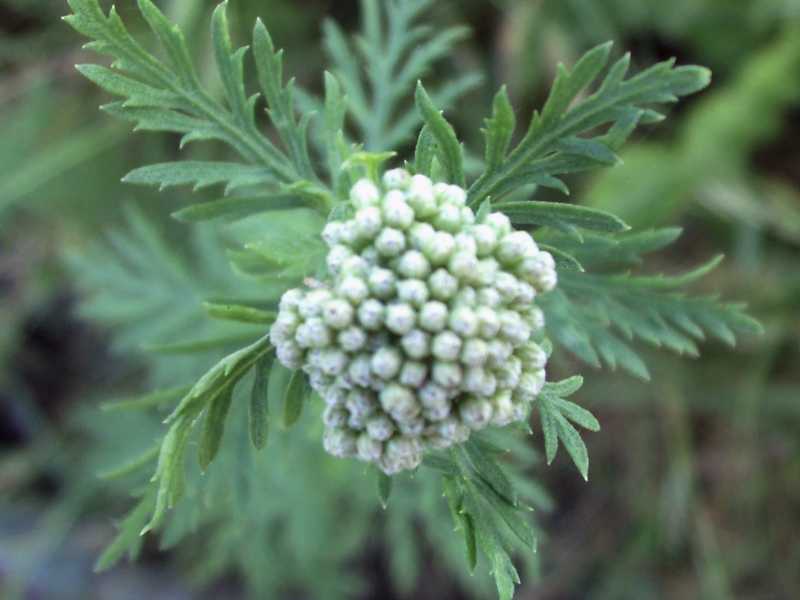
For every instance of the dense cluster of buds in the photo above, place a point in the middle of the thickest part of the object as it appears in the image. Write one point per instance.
(425, 328)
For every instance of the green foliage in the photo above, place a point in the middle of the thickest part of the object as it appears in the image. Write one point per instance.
(276, 205)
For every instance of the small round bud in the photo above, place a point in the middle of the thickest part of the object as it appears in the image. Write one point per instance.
(463, 265)
(442, 284)
(513, 247)
(485, 239)
(420, 234)
(532, 356)
(475, 352)
(369, 449)
(400, 318)
(311, 305)
(331, 233)
(396, 211)
(334, 416)
(386, 362)
(464, 321)
(499, 351)
(413, 374)
(382, 283)
(453, 194)
(453, 431)
(313, 334)
(413, 292)
(336, 258)
(432, 395)
(380, 428)
(439, 248)
(352, 339)
(489, 322)
(290, 354)
(446, 346)
(353, 289)
(368, 222)
(360, 370)
(489, 297)
(416, 343)
(399, 402)
(401, 454)
(499, 223)
(396, 179)
(337, 313)
(447, 374)
(413, 264)
(448, 218)
(333, 362)
(291, 300)
(364, 193)
(339, 442)
(530, 384)
(390, 242)
(476, 413)
(433, 316)
(371, 314)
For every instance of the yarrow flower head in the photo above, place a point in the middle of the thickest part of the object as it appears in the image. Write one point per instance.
(426, 326)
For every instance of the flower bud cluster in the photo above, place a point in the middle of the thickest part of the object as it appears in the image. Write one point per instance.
(425, 329)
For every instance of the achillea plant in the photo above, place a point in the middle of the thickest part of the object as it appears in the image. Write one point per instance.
(420, 304)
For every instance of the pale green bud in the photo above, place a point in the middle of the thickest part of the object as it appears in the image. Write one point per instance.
(446, 346)
(396, 211)
(382, 283)
(368, 222)
(386, 362)
(369, 449)
(416, 343)
(396, 179)
(442, 284)
(447, 374)
(339, 442)
(400, 318)
(464, 321)
(475, 413)
(380, 428)
(353, 289)
(337, 313)
(364, 193)
(413, 373)
(399, 402)
(371, 314)
(413, 291)
(390, 242)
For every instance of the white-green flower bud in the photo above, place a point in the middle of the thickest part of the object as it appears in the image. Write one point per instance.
(291, 300)
(390, 242)
(412, 428)
(386, 362)
(453, 430)
(371, 314)
(462, 265)
(369, 450)
(414, 265)
(439, 248)
(368, 222)
(465, 243)
(515, 246)
(467, 216)
(331, 233)
(416, 343)
(448, 218)
(503, 410)
(382, 283)
(486, 273)
(335, 396)
(401, 454)
(353, 289)
(355, 266)
(290, 354)
(400, 318)
(475, 352)
(447, 374)
(466, 296)
(507, 286)
(396, 179)
(334, 416)
(534, 317)
(399, 402)
(380, 427)
(313, 334)
(489, 297)
(508, 373)
(360, 370)
(499, 351)
(311, 305)
(396, 211)
(364, 193)
(337, 313)
(532, 356)
(475, 413)
(348, 234)
(499, 223)
(413, 291)
(413, 373)
(360, 404)
(421, 197)
(452, 194)
(437, 412)
(485, 239)
(433, 316)
(464, 321)
(442, 284)
(489, 322)
(446, 346)
(337, 256)
(432, 395)
(333, 362)
(370, 254)
(339, 442)
(530, 384)
(420, 234)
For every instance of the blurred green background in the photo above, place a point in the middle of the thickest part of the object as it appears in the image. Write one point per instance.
(695, 489)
